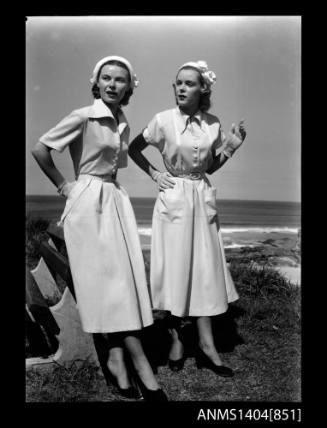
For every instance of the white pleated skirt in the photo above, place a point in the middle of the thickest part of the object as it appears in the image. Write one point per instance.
(105, 257)
(189, 274)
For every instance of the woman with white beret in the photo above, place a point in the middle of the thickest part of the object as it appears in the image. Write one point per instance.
(100, 229)
(189, 274)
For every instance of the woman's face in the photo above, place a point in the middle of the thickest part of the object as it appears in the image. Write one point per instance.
(113, 82)
(188, 89)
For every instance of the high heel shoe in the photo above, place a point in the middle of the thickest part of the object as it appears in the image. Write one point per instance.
(130, 392)
(176, 365)
(151, 394)
(156, 395)
(202, 360)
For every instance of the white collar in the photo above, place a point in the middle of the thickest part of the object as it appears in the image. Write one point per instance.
(100, 109)
(185, 119)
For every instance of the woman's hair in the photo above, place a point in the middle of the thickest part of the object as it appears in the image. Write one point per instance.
(205, 102)
(95, 88)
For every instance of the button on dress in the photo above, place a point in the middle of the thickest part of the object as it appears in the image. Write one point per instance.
(189, 275)
(100, 228)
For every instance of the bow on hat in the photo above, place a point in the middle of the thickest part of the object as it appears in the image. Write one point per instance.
(209, 76)
(134, 81)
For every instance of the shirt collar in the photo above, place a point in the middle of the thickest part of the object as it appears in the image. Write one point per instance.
(185, 119)
(99, 109)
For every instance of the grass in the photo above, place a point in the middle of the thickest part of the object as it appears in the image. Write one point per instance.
(259, 337)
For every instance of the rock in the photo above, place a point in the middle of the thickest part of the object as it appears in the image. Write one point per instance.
(285, 261)
(293, 274)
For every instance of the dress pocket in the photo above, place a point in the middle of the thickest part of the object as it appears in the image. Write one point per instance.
(73, 197)
(210, 203)
(170, 205)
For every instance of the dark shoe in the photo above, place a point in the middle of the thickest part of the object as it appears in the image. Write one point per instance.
(202, 360)
(150, 394)
(176, 365)
(153, 395)
(130, 392)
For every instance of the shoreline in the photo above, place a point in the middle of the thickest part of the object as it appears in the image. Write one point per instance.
(278, 250)
(278, 247)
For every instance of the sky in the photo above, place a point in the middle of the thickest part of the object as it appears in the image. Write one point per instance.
(257, 60)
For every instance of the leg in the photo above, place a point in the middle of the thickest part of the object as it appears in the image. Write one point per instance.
(140, 361)
(206, 342)
(116, 363)
(177, 347)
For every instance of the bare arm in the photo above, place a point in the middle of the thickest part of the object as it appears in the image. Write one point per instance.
(135, 152)
(43, 157)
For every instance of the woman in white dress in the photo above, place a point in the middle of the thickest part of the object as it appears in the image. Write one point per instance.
(189, 275)
(100, 229)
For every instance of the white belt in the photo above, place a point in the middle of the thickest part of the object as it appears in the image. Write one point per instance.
(192, 175)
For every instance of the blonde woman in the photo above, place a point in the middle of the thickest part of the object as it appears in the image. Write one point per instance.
(99, 224)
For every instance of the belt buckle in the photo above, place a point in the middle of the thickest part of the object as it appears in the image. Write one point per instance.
(195, 175)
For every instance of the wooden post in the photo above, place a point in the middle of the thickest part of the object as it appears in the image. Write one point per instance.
(40, 312)
(58, 263)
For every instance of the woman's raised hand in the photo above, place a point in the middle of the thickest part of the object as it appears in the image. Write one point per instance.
(235, 138)
(241, 133)
(164, 181)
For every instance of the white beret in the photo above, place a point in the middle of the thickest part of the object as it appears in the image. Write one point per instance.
(208, 76)
(134, 81)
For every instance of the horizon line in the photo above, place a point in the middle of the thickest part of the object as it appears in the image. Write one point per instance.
(154, 197)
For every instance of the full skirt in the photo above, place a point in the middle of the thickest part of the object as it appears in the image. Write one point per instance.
(189, 274)
(105, 257)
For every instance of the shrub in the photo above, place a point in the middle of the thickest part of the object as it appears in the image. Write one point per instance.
(35, 234)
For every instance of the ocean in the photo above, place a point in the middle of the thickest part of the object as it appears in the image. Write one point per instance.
(235, 216)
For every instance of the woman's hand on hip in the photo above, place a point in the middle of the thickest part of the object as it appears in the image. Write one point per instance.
(67, 188)
(165, 181)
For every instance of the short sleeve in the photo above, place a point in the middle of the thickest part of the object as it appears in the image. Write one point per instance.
(153, 133)
(64, 133)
